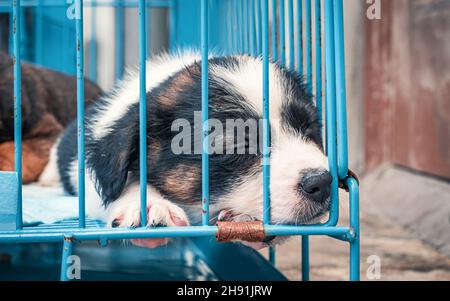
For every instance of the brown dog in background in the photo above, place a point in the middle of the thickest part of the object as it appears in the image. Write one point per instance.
(48, 105)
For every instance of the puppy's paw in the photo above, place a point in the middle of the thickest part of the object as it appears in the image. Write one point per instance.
(159, 214)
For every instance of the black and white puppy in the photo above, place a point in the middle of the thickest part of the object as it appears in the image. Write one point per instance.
(299, 188)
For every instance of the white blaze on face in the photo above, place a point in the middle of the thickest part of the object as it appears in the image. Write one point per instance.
(289, 158)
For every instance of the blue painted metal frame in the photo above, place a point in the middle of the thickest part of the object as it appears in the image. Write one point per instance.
(142, 112)
(205, 127)
(80, 112)
(249, 34)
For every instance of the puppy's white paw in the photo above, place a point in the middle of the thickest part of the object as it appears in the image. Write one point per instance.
(159, 214)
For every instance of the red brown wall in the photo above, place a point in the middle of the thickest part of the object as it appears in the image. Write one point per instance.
(407, 86)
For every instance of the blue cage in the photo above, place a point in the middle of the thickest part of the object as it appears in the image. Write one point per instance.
(302, 35)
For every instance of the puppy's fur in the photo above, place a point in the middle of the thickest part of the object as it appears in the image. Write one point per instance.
(174, 180)
(48, 105)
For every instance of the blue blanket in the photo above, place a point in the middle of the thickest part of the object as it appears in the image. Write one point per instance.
(47, 205)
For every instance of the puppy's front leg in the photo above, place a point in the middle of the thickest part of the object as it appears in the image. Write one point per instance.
(125, 212)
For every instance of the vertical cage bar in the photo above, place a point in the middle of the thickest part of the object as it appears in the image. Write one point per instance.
(300, 36)
(352, 184)
(341, 112)
(318, 26)
(229, 25)
(38, 33)
(252, 28)
(16, 10)
(266, 128)
(308, 45)
(330, 110)
(93, 44)
(274, 31)
(272, 255)
(205, 132)
(173, 25)
(291, 34)
(241, 25)
(80, 113)
(259, 29)
(247, 26)
(142, 112)
(282, 45)
(66, 253)
(119, 39)
(305, 258)
(235, 27)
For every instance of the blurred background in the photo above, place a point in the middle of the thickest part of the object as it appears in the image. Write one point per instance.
(398, 96)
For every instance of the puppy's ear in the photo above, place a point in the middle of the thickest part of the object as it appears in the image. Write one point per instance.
(110, 158)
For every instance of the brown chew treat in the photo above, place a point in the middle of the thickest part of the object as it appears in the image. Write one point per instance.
(245, 231)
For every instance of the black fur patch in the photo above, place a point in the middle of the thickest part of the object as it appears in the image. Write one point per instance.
(298, 113)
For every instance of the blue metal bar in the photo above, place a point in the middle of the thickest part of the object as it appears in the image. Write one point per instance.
(253, 47)
(341, 112)
(17, 108)
(119, 40)
(142, 112)
(229, 26)
(241, 25)
(246, 26)
(266, 126)
(93, 45)
(300, 37)
(55, 235)
(352, 184)
(259, 29)
(318, 26)
(80, 113)
(274, 31)
(308, 45)
(205, 131)
(66, 253)
(291, 34)
(305, 258)
(38, 33)
(172, 25)
(330, 98)
(282, 46)
(272, 255)
(235, 26)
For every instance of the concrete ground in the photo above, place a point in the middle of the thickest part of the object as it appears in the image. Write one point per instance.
(403, 256)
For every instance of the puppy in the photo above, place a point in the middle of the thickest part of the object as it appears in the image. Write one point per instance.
(300, 182)
(48, 105)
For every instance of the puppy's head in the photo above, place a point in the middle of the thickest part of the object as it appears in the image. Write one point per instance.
(299, 177)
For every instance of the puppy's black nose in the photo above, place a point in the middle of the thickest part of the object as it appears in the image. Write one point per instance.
(315, 184)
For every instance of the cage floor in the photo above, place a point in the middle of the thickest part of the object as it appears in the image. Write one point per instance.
(182, 259)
